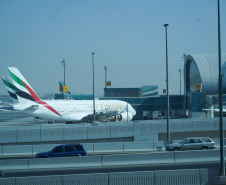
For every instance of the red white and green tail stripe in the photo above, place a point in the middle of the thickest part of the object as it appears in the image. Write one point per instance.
(26, 90)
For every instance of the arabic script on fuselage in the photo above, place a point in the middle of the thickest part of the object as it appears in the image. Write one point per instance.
(108, 107)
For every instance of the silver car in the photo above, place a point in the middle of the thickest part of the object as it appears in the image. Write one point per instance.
(192, 143)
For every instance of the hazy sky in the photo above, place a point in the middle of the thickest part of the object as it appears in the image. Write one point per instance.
(127, 36)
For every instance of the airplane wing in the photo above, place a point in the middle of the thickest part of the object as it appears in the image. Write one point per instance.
(6, 108)
(32, 107)
(10, 108)
(101, 116)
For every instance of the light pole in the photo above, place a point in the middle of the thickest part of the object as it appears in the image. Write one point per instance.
(94, 112)
(167, 87)
(220, 100)
(185, 86)
(127, 111)
(179, 70)
(64, 64)
(105, 68)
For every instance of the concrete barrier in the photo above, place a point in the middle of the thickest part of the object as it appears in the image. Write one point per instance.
(132, 178)
(83, 179)
(31, 135)
(138, 146)
(8, 136)
(8, 181)
(65, 162)
(161, 127)
(14, 164)
(52, 134)
(17, 150)
(159, 145)
(122, 130)
(1, 152)
(207, 174)
(166, 177)
(197, 156)
(78, 133)
(137, 159)
(180, 177)
(98, 132)
(101, 148)
(50, 180)
(141, 131)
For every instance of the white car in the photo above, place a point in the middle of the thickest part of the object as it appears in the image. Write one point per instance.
(192, 143)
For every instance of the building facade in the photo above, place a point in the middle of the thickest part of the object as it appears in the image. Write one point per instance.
(203, 69)
(201, 74)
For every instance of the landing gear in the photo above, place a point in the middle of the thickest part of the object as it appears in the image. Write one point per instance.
(50, 121)
(36, 120)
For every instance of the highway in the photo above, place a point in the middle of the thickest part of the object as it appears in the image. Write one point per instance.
(21, 139)
(59, 171)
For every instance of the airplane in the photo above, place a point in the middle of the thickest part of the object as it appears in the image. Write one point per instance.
(63, 110)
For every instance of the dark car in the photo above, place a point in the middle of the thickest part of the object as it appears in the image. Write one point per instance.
(1, 174)
(192, 143)
(64, 151)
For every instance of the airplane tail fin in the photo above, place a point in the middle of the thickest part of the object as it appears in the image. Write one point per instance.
(62, 86)
(10, 87)
(25, 93)
(24, 90)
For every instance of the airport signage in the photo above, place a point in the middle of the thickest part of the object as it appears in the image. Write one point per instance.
(61, 88)
(108, 83)
(65, 88)
(198, 86)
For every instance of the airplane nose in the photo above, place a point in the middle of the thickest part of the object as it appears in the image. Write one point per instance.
(134, 112)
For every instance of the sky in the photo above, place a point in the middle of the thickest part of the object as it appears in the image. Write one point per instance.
(127, 36)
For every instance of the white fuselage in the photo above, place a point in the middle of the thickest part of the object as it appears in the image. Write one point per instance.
(73, 110)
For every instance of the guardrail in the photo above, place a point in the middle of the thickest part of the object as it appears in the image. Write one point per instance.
(111, 160)
(166, 177)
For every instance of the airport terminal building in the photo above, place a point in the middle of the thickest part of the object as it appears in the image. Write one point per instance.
(201, 75)
(200, 87)
(203, 69)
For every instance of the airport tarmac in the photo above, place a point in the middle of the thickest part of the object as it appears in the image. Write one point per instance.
(8, 118)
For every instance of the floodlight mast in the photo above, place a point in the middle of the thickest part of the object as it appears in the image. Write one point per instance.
(94, 111)
(64, 64)
(220, 100)
(167, 87)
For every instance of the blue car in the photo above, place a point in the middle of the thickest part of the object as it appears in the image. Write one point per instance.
(64, 151)
(1, 174)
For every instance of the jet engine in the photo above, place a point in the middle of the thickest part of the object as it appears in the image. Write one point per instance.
(113, 118)
(123, 116)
